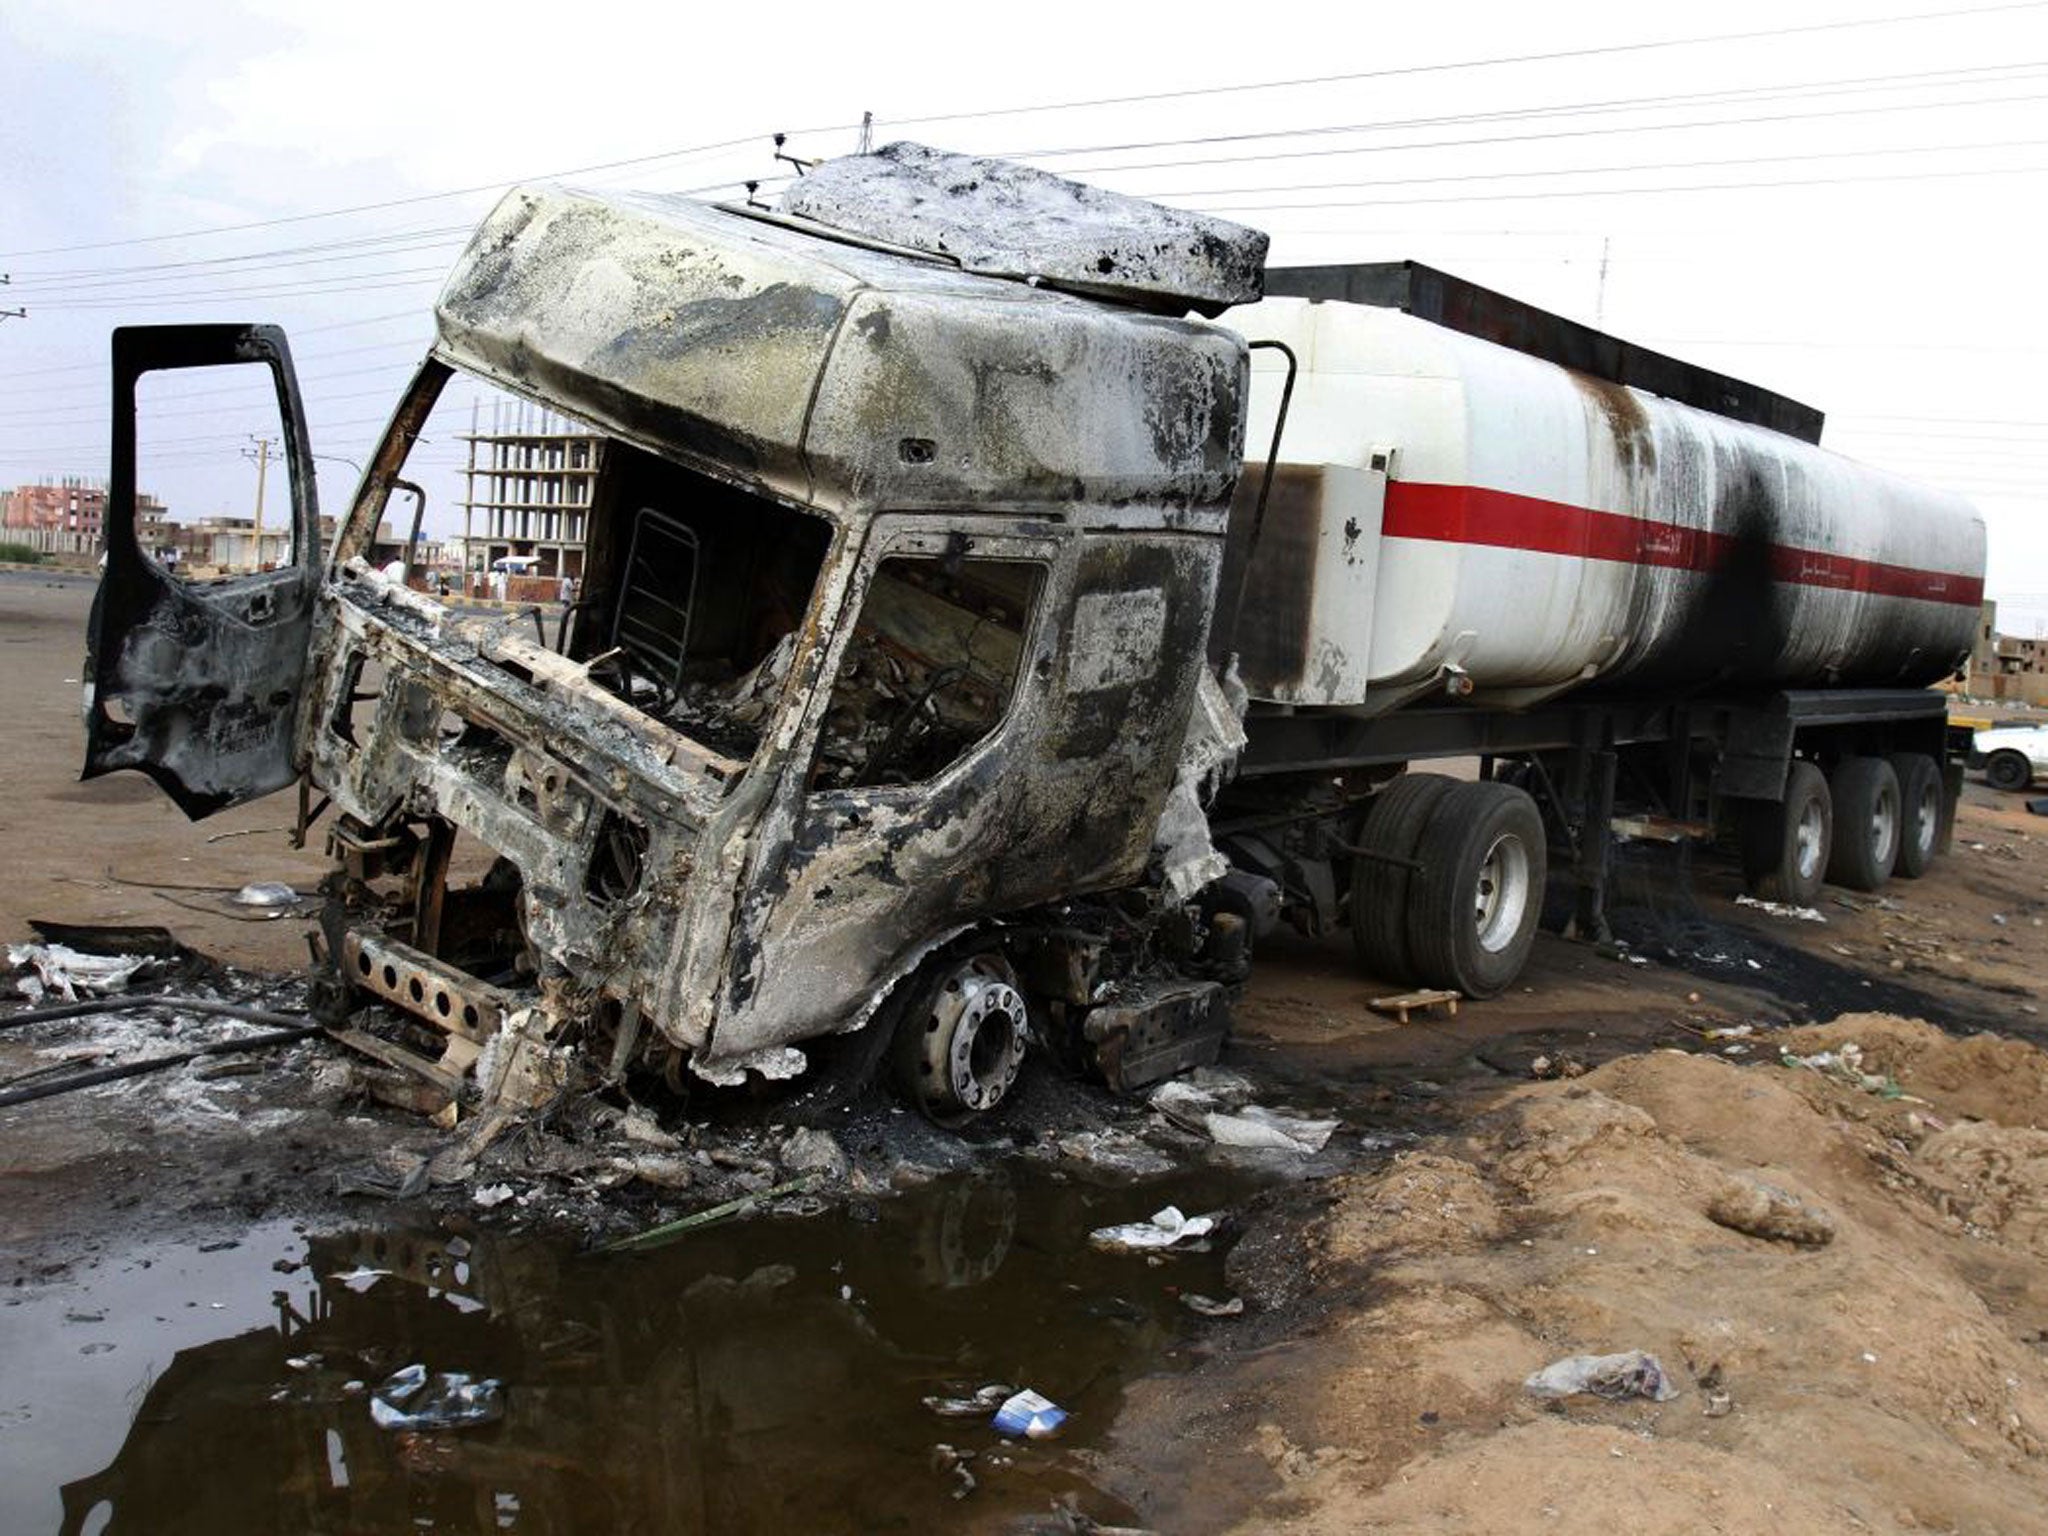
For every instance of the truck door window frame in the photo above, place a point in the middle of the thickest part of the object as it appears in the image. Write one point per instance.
(937, 540)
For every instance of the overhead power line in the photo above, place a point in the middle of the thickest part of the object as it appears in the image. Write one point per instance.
(1388, 72)
(1248, 209)
(1398, 71)
(1799, 90)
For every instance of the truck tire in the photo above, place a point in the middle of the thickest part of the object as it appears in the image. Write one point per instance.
(1785, 843)
(1920, 812)
(1474, 903)
(1393, 826)
(2008, 770)
(1866, 843)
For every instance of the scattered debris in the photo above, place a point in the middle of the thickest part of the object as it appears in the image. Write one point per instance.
(1633, 1374)
(1113, 1151)
(391, 1175)
(1273, 1130)
(653, 1237)
(68, 972)
(1168, 1228)
(948, 1459)
(978, 1406)
(1545, 1067)
(1214, 1104)
(815, 1152)
(491, 1196)
(1401, 1004)
(1029, 1414)
(1209, 1306)
(1781, 909)
(1764, 1210)
(412, 1399)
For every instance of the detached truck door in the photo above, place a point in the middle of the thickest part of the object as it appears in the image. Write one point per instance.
(196, 682)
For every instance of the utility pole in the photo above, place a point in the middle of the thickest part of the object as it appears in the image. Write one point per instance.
(1600, 301)
(260, 456)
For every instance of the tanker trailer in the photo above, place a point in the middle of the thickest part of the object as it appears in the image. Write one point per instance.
(1639, 592)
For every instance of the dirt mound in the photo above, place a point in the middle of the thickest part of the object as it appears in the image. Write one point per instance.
(1843, 1286)
(1983, 1077)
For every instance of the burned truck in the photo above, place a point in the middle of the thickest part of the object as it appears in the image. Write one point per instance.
(1004, 602)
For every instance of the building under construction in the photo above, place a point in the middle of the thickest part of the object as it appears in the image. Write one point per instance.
(527, 490)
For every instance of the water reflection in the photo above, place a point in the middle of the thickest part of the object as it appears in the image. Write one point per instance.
(764, 1376)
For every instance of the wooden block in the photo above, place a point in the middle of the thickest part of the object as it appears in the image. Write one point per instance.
(1401, 1004)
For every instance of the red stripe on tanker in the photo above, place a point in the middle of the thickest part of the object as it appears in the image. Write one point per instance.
(1472, 514)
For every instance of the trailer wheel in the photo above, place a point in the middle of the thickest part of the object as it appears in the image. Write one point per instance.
(1785, 843)
(1473, 905)
(2008, 770)
(1920, 812)
(1394, 822)
(1866, 844)
(960, 1044)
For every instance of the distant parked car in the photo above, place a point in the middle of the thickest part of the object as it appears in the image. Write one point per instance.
(2012, 755)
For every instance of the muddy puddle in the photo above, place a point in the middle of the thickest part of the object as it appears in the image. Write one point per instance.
(763, 1375)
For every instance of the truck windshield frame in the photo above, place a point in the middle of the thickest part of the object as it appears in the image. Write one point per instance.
(760, 598)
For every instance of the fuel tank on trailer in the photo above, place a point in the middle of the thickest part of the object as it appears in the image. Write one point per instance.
(1450, 511)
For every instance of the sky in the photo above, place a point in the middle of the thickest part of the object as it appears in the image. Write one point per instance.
(1840, 201)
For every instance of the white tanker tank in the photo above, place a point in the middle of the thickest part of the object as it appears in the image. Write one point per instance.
(1452, 515)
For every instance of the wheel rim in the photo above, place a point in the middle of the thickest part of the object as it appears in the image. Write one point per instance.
(1807, 838)
(1884, 829)
(972, 1041)
(1501, 894)
(1926, 816)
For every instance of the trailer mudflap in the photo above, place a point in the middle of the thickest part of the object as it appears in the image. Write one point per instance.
(1152, 1030)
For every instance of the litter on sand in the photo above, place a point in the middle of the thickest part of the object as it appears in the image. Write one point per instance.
(1634, 1374)
(1275, 1130)
(1031, 1415)
(1216, 1104)
(1167, 1229)
(1209, 1306)
(69, 972)
(412, 1399)
(1781, 909)
(1846, 1066)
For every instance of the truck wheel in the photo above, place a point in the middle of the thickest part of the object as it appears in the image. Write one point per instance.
(1919, 812)
(961, 1041)
(1473, 905)
(1394, 823)
(1785, 844)
(2008, 770)
(1866, 844)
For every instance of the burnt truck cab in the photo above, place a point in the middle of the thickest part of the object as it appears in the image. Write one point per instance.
(893, 621)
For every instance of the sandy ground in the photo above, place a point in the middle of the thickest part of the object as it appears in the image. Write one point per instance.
(1890, 1378)
(1887, 1378)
